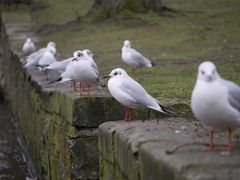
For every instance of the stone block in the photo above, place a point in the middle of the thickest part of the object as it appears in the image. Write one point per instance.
(59, 127)
(138, 150)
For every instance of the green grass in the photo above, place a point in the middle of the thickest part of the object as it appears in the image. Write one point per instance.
(61, 11)
(177, 43)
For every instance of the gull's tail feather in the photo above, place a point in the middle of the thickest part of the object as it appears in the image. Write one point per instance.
(56, 80)
(153, 64)
(42, 67)
(168, 112)
(150, 64)
(102, 84)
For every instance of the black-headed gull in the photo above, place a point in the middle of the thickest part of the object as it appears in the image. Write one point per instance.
(216, 102)
(82, 69)
(131, 94)
(88, 54)
(85, 71)
(47, 58)
(33, 59)
(59, 66)
(28, 47)
(68, 75)
(133, 58)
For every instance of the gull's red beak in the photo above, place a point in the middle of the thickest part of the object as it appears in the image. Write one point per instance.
(106, 77)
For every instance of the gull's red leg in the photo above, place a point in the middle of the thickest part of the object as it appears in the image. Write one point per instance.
(80, 85)
(46, 74)
(89, 89)
(81, 88)
(71, 84)
(133, 71)
(126, 114)
(74, 85)
(211, 145)
(230, 146)
(129, 114)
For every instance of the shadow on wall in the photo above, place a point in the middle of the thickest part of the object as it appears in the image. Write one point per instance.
(1, 95)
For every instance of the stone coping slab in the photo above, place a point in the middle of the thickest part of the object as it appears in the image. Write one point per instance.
(138, 150)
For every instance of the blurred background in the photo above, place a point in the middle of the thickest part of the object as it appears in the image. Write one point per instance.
(175, 34)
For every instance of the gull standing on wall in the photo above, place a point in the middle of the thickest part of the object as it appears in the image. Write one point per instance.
(34, 58)
(131, 94)
(133, 58)
(28, 47)
(216, 102)
(89, 55)
(67, 75)
(47, 59)
(85, 71)
(59, 66)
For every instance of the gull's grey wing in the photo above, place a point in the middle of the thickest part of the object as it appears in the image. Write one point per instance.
(142, 61)
(136, 91)
(68, 73)
(234, 94)
(94, 65)
(140, 96)
(47, 59)
(95, 69)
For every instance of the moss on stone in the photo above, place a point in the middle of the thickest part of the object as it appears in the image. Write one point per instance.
(45, 118)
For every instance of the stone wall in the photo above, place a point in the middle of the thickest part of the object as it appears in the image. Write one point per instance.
(138, 151)
(59, 127)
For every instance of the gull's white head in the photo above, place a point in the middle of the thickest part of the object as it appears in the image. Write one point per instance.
(117, 73)
(28, 40)
(207, 71)
(88, 53)
(52, 44)
(127, 43)
(52, 49)
(77, 55)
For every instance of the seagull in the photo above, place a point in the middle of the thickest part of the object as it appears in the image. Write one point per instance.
(60, 66)
(67, 75)
(85, 72)
(133, 58)
(28, 47)
(34, 58)
(47, 59)
(216, 102)
(89, 55)
(131, 94)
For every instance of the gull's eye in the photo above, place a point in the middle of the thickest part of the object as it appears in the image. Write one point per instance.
(80, 54)
(115, 73)
(202, 72)
(213, 72)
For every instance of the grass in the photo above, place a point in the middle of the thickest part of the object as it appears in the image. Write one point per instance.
(177, 43)
(61, 11)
